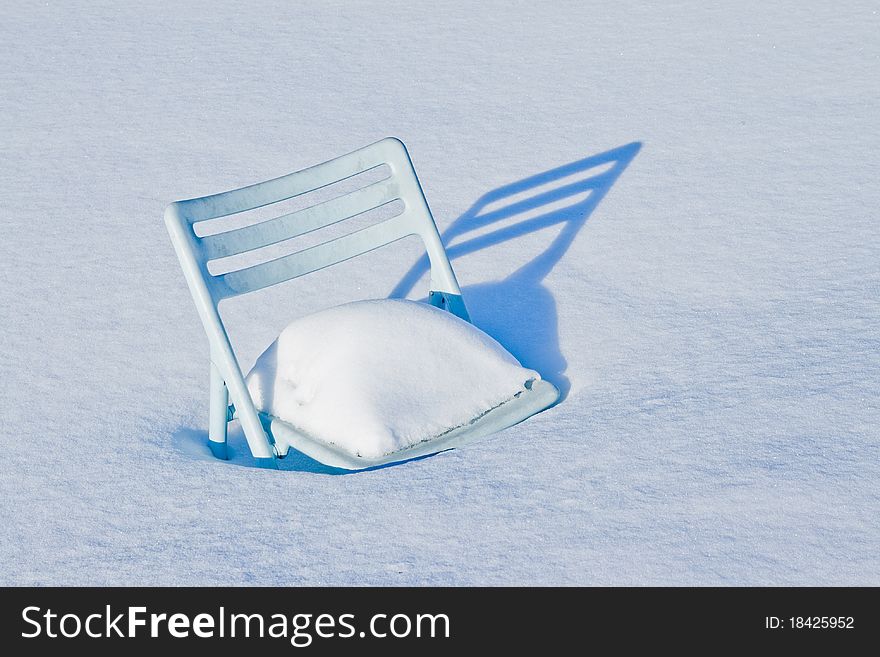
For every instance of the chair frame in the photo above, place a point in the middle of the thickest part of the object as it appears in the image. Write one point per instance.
(208, 290)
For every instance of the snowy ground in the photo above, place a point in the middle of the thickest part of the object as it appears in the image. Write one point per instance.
(714, 322)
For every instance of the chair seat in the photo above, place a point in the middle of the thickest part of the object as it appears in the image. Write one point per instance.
(539, 396)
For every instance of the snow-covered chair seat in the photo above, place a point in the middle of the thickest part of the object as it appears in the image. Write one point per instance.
(357, 385)
(366, 382)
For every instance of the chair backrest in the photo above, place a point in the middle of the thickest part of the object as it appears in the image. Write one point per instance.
(195, 252)
(416, 219)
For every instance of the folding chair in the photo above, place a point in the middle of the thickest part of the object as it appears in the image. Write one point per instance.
(269, 438)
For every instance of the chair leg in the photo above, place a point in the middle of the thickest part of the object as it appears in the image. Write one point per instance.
(218, 419)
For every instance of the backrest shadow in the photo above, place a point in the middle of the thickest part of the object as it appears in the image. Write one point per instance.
(519, 311)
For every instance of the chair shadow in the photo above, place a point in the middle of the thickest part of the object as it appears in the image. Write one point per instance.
(519, 311)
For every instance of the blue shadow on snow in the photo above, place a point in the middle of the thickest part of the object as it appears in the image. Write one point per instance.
(519, 311)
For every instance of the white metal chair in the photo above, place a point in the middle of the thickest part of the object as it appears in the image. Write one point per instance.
(194, 252)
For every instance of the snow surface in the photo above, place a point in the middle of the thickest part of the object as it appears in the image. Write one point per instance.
(375, 377)
(710, 309)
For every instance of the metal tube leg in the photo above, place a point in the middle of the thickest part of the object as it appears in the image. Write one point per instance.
(218, 420)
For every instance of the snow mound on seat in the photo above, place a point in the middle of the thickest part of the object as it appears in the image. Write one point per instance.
(375, 377)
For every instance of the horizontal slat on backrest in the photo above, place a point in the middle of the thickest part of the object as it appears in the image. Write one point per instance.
(317, 257)
(283, 188)
(298, 223)
(402, 184)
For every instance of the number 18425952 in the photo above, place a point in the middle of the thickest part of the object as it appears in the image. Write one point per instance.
(809, 622)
